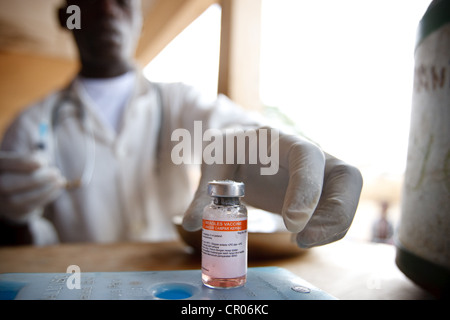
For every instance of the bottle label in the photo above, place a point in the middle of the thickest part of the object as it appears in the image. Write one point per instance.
(224, 248)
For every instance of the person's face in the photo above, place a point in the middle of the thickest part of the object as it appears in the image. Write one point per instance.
(109, 31)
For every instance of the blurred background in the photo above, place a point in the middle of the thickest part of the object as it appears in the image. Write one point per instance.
(337, 72)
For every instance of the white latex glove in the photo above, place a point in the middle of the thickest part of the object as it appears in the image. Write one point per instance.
(316, 194)
(27, 183)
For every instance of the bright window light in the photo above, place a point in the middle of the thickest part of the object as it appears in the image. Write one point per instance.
(193, 56)
(343, 71)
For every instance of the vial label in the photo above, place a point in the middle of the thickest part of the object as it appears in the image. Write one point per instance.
(224, 248)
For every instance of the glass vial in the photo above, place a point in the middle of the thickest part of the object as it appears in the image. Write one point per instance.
(224, 236)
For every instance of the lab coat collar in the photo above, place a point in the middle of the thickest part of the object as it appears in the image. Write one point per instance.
(103, 133)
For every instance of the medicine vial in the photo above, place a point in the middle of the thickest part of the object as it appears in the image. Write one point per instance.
(224, 236)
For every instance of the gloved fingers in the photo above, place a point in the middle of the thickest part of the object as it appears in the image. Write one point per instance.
(306, 166)
(15, 162)
(22, 192)
(337, 206)
(17, 204)
(13, 182)
(192, 220)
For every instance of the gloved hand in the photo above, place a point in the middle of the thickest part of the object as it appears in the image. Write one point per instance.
(316, 194)
(27, 183)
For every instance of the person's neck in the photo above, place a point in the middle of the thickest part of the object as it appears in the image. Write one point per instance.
(110, 71)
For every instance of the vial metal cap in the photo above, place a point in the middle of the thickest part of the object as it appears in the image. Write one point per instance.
(226, 188)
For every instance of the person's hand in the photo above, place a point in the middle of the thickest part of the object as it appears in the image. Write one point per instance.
(26, 183)
(316, 194)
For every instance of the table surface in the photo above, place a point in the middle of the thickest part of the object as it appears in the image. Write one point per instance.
(345, 269)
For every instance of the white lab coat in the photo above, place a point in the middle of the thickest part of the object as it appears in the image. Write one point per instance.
(136, 188)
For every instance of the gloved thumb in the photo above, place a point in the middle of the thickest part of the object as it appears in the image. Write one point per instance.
(305, 163)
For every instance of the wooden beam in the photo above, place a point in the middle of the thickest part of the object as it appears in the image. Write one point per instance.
(239, 51)
(164, 21)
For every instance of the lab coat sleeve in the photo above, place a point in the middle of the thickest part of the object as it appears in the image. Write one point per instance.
(17, 137)
(188, 105)
(22, 135)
